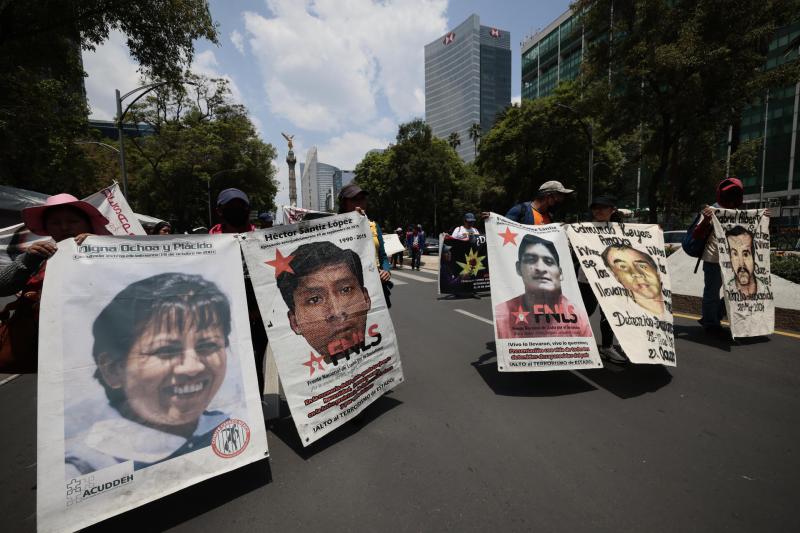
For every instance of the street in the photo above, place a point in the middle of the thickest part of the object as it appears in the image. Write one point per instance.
(708, 446)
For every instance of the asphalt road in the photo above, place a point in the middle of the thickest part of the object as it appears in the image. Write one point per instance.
(711, 445)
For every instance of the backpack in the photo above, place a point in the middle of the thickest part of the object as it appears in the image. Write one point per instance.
(692, 246)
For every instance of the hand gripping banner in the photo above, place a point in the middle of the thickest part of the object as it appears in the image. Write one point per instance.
(743, 244)
(539, 319)
(626, 267)
(321, 300)
(146, 375)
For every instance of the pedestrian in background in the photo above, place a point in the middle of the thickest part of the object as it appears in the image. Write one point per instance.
(467, 231)
(162, 228)
(414, 242)
(397, 259)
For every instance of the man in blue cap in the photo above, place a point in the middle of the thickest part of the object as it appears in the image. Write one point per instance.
(233, 209)
(265, 220)
(468, 230)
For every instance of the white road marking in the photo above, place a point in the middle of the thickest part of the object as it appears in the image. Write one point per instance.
(476, 317)
(9, 378)
(398, 282)
(413, 276)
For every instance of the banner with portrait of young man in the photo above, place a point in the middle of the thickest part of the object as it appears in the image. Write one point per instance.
(463, 267)
(147, 379)
(317, 286)
(743, 244)
(626, 267)
(539, 319)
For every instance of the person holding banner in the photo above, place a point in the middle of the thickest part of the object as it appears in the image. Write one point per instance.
(467, 231)
(549, 197)
(161, 350)
(604, 209)
(542, 310)
(62, 217)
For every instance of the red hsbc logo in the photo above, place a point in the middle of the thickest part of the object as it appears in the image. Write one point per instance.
(494, 32)
(449, 38)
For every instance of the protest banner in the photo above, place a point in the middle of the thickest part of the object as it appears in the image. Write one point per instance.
(463, 265)
(321, 300)
(113, 205)
(293, 214)
(743, 244)
(392, 244)
(626, 267)
(539, 319)
(147, 378)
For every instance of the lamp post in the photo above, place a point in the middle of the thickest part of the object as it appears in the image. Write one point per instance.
(144, 89)
(587, 129)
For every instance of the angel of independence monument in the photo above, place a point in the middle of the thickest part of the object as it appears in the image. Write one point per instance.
(291, 160)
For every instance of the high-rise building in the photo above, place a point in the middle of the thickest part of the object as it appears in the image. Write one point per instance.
(320, 183)
(555, 53)
(467, 81)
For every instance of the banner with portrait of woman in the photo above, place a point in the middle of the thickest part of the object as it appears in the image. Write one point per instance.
(317, 286)
(743, 243)
(539, 318)
(147, 379)
(626, 267)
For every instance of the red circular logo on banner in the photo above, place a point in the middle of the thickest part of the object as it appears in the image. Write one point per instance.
(230, 438)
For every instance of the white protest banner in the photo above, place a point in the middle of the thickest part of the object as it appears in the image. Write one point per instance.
(321, 300)
(539, 318)
(147, 379)
(743, 243)
(113, 205)
(392, 244)
(293, 214)
(626, 266)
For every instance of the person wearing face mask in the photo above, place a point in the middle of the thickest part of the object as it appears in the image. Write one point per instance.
(730, 193)
(549, 197)
(62, 217)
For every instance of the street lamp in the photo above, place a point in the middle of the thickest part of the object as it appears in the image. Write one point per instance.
(587, 129)
(144, 89)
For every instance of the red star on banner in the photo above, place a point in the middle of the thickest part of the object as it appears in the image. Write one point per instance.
(509, 236)
(521, 315)
(310, 363)
(281, 264)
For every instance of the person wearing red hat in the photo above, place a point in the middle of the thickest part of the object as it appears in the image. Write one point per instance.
(730, 194)
(62, 217)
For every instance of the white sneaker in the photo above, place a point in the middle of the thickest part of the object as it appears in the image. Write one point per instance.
(611, 353)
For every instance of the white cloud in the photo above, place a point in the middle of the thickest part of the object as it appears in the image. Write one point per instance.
(516, 100)
(109, 67)
(206, 63)
(238, 41)
(326, 65)
(347, 150)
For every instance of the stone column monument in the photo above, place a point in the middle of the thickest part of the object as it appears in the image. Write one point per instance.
(291, 160)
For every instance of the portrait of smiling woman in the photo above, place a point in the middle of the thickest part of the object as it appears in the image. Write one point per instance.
(161, 349)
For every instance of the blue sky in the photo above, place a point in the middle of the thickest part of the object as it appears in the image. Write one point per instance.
(339, 74)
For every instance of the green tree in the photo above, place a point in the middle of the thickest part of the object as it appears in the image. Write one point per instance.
(420, 179)
(454, 140)
(475, 136)
(43, 109)
(677, 74)
(541, 140)
(203, 143)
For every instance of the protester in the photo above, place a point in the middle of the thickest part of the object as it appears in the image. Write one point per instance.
(549, 197)
(233, 208)
(61, 217)
(161, 350)
(604, 209)
(415, 242)
(162, 228)
(466, 231)
(265, 220)
(354, 198)
(730, 193)
(397, 259)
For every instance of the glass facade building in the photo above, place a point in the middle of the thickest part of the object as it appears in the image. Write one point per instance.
(554, 54)
(320, 183)
(467, 81)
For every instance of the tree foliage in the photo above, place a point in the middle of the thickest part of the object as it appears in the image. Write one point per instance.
(202, 144)
(43, 107)
(676, 73)
(418, 180)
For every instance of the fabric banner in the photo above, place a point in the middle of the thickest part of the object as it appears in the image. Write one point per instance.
(113, 205)
(293, 214)
(463, 265)
(743, 244)
(147, 379)
(626, 267)
(321, 300)
(539, 319)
